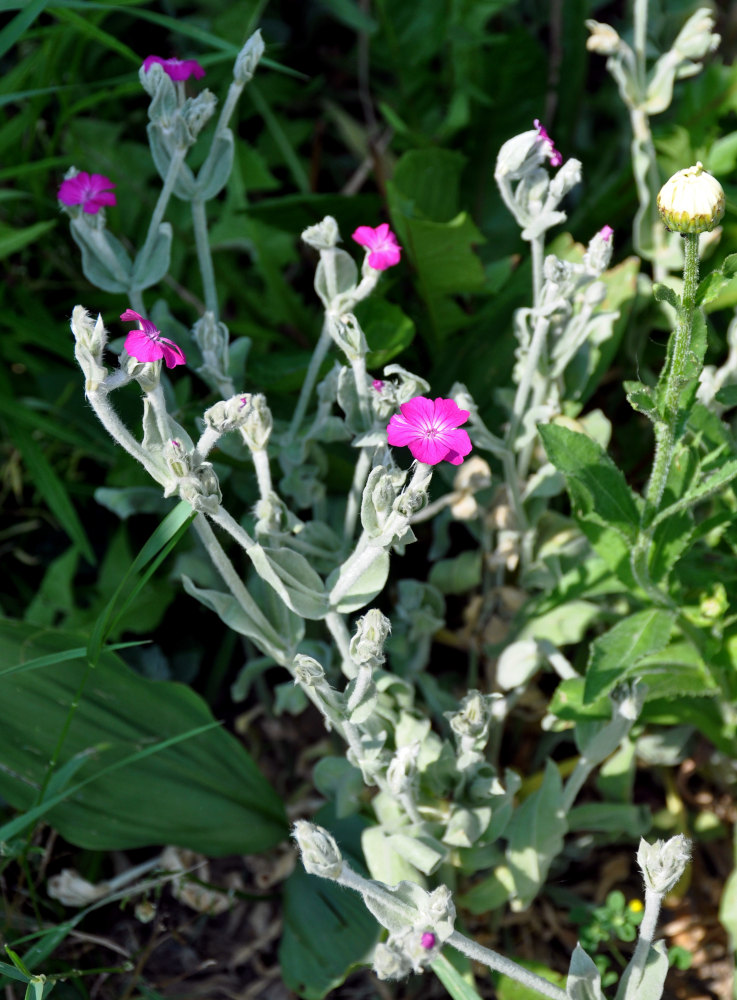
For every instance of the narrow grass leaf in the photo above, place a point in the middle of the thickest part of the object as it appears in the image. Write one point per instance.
(17, 27)
(52, 490)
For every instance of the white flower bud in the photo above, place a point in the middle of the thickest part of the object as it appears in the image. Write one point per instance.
(228, 414)
(664, 862)
(197, 111)
(692, 201)
(472, 720)
(323, 235)
(320, 853)
(258, 424)
(347, 333)
(372, 630)
(696, 38)
(248, 58)
(390, 962)
(401, 774)
(603, 38)
(599, 251)
(72, 890)
(90, 334)
(411, 502)
(308, 671)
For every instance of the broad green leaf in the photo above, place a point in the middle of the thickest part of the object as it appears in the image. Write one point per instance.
(584, 979)
(457, 575)
(727, 395)
(646, 984)
(293, 579)
(252, 624)
(384, 862)
(388, 330)
(621, 648)
(603, 494)
(327, 929)
(611, 817)
(488, 894)
(368, 586)
(676, 671)
(205, 793)
(535, 835)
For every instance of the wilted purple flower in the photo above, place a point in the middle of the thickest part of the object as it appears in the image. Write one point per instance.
(551, 152)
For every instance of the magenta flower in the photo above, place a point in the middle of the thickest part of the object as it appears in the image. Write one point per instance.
(88, 190)
(177, 69)
(377, 385)
(147, 343)
(429, 428)
(551, 152)
(428, 940)
(382, 243)
(606, 233)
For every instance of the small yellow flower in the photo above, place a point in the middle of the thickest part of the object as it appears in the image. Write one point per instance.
(692, 201)
(635, 906)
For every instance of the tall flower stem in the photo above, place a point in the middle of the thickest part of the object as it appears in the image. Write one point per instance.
(204, 256)
(163, 200)
(318, 355)
(673, 378)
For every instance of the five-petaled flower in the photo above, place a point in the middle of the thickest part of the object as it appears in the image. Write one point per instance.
(555, 157)
(382, 243)
(88, 190)
(430, 429)
(177, 69)
(147, 343)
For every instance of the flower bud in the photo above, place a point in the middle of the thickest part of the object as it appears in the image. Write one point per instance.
(411, 502)
(307, 670)
(177, 458)
(401, 775)
(599, 251)
(323, 235)
(603, 38)
(72, 890)
(348, 335)
(248, 58)
(320, 853)
(257, 428)
(228, 414)
(90, 338)
(473, 718)
(372, 630)
(202, 489)
(197, 112)
(692, 201)
(664, 862)
(390, 962)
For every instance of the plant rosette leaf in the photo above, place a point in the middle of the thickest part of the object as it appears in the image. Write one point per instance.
(204, 793)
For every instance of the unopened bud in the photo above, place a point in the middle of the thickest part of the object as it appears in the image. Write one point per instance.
(248, 58)
(692, 201)
(372, 630)
(256, 429)
(390, 962)
(473, 718)
(664, 862)
(401, 774)
(603, 38)
(323, 235)
(348, 335)
(89, 333)
(197, 111)
(411, 502)
(320, 853)
(307, 670)
(228, 414)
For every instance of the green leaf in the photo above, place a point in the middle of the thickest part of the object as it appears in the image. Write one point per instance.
(455, 983)
(584, 979)
(664, 293)
(388, 330)
(15, 29)
(602, 496)
(642, 398)
(368, 586)
(457, 575)
(611, 817)
(349, 13)
(52, 490)
(205, 793)
(535, 835)
(623, 646)
(13, 240)
(293, 579)
(727, 395)
(327, 930)
(648, 984)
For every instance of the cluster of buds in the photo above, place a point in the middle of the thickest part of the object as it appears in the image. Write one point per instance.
(90, 338)
(471, 724)
(663, 863)
(194, 481)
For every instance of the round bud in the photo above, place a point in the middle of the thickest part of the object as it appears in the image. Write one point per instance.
(692, 201)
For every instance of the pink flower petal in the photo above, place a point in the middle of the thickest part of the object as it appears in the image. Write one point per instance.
(428, 450)
(175, 69)
(400, 432)
(365, 236)
(140, 346)
(172, 354)
(460, 447)
(380, 260)
(449, 413)
(88, 190)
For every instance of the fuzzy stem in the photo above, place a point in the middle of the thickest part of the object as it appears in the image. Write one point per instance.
(353, 504)
(228, 523)
(506, 966)
(263, 471)
(155, 398)
(204, 256)
(163, 200)
(119, 432)
(321, 349)
(341, 636)
(537, 246)
(636, 968)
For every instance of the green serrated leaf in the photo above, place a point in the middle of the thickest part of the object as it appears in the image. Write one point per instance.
(602, 495)
(623, 646)
(664, 293)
